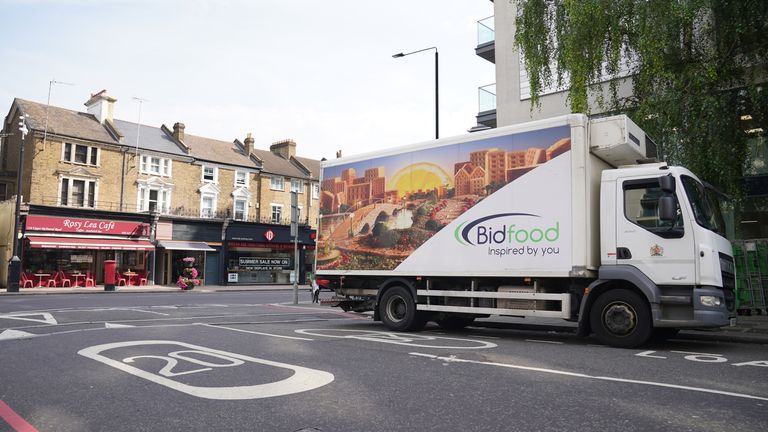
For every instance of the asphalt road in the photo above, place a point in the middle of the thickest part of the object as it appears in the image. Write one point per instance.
(251, 361)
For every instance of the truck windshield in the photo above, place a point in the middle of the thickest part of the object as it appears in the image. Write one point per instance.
(705, 208)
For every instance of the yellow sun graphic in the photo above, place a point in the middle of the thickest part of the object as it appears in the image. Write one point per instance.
(422, 176)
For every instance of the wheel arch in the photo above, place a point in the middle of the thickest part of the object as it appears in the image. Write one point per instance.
(614, 277)
(388, 283)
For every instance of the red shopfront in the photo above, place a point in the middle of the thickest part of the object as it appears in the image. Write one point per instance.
(76, 248)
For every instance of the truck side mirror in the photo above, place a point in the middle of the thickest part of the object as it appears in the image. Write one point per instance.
(667, 184)
(668, 208)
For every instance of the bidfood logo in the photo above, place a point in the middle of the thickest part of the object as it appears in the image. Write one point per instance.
(503, 237)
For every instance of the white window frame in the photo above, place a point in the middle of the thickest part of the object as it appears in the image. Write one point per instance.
(241, 173)
(86, 191)
(163, 199)
(215, 169)
(164, 166)
(88, 154)
(272, 183)
(245, 209)
(315, 190)
(203, 213)
(273, 207)
(297, 185)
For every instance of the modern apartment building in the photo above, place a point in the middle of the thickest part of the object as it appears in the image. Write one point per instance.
(507, 102)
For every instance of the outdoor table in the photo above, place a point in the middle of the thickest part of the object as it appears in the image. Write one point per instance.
(76, 276)
(40, 277)
(129, 275)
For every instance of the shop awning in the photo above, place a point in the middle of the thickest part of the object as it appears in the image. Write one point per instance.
(185, 245)
(41, 242)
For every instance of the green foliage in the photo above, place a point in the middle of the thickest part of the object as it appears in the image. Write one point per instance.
(694, 68)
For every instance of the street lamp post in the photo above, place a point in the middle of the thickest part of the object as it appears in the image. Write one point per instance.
(437, 97)
(14, 266)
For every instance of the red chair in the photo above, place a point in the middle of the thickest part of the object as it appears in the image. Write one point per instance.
(119, 278)
(61, 280)
(25, 279)
(89, 278)
(51, 281)
(142, 277)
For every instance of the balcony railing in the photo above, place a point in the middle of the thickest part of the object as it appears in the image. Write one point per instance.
(485, 31)
(175, 211)
(486, 96)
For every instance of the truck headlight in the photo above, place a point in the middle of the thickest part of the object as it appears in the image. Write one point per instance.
(710, 301)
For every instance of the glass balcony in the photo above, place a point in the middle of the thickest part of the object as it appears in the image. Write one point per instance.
(485, 31)
(487, 98)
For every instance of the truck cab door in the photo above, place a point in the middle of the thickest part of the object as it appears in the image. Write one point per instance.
(662, 249)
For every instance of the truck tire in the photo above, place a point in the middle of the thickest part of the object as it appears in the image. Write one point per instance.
(398, 310)
(621, 318)
(456, 322)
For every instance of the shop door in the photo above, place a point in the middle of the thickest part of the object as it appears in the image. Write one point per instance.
(212, 268)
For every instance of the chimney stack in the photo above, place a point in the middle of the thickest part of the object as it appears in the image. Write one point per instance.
(101, 105)
(285, 148)
(178, 132)
(249, 142)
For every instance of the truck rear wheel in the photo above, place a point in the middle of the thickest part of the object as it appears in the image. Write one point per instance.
(621, 318)
(455, 322)
(397, 310)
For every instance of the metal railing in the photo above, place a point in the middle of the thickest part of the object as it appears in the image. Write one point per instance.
(485, 30)
(181, 211)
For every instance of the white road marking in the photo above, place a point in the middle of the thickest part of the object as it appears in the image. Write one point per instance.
(11, 334)
(303, 379)
(45, 317)
(114, 325)
(544, 342)
(648, 354)
(406, 339)
(453, 359)
(257, 333)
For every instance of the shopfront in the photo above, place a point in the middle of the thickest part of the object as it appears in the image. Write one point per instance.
(58, 248)
(264, 254)
(178, 239)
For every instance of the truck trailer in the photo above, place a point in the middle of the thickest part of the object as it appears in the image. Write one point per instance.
(569, 217)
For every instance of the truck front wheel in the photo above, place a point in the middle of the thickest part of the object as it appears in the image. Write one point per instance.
(397, 310)
(621, 318)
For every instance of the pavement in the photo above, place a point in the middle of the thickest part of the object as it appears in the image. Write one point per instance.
(748, 328)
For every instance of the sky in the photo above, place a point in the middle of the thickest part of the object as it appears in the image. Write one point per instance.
(318, 72)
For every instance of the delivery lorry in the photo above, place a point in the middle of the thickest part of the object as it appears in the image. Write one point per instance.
(569, 217)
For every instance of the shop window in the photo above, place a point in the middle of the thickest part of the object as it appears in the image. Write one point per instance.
(241, 179)
(277, 213)
(155, 165)
(80, 154)
(210, 174)
(241, 210)
(296, 186)
(276, 183)
(77, 193)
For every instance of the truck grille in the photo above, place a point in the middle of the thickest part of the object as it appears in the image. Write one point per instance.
(727, 272)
